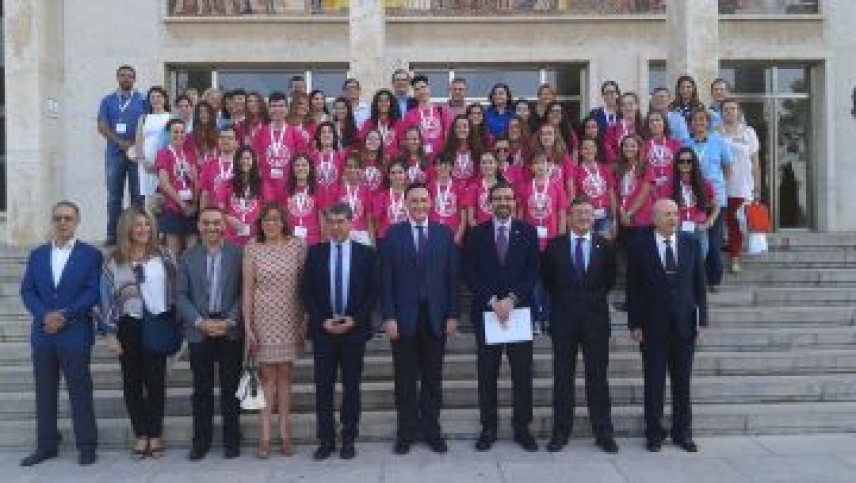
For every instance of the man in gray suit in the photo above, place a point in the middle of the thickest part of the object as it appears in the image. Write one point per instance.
(209, 304)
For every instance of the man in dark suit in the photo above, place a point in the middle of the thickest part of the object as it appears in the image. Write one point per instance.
(209, 304)
(339, 291)
(419, 304)
(60, 287)
(501, 270)
(401, 91)
(666, 308)
(578, 271)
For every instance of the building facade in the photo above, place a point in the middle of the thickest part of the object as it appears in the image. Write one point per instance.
(791, 63)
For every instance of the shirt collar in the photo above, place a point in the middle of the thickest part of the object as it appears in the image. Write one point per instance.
(498, 223)
(68, 245)
(415, 224)
(345, 244)
(661, 239)
(586, 237)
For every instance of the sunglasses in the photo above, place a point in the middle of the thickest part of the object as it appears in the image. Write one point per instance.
(685, 160)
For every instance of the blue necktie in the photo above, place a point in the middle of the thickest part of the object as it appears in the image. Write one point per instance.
(339, 288)
(579, 259)
(421, 255)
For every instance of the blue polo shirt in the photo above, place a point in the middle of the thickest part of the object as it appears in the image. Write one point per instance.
(678, 126)
(714, 156)
(497, 123)
(121, 114)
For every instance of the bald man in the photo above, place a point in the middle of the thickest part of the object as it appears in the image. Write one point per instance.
(666, 309)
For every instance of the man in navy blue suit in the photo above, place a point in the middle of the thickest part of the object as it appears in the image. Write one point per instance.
(60, 287)
(339, 292)
(578, 270)
(419, 290)
(666, 308)
(501, 270)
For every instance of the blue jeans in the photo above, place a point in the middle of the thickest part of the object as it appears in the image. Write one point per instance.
(713, 259)
(117, 169)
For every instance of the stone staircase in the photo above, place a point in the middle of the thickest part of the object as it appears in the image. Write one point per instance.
(778, 358)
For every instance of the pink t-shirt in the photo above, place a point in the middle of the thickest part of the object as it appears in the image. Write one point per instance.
(328, 175)
(275, 148)
(660, 156)
(689, 209)
(247, 211)
(417, 173)
(433, 123)
(464, 167)
(200, 156)
(214, 180)
(616, 133)
(303, 208)
(388, 132)
(448, 200)
(181, 169)
(630, 188)
(478, 199)
(373, 175)
(541, 203)
(387, 209)
(360, 201)
(596, 184)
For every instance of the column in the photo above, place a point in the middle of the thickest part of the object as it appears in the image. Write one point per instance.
(368, 45)
(34, 71)
(693, 27)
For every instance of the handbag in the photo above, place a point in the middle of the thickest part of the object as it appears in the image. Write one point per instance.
(161, 333)
(758, 217)
(249, 391)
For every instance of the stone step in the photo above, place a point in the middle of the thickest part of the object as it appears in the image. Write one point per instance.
(803, 259)
(727, 339)
(462, 394)
(378, 368)
(804, 277)
(708, 419)
(811, 241)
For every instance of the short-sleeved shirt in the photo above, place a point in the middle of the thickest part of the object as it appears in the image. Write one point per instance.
(181, 170)
(448, 201)
(541, 204)
(714, 155)
(660, 155)
(121, 114)
(478, 199)
(302, 208)
(214, 180)
(433, 123)
(360, 201)
(630, 186)
(328, 175)
(387, 209)
(596, 184)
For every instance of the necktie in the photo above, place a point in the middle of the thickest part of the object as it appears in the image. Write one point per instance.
(339, 285)
(501, 243)
(579, 259)
(421, 244)
(670, 263)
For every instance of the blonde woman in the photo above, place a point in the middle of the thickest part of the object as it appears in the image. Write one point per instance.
(138, 274)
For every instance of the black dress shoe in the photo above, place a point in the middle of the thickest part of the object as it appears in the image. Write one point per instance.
(38, 457)
(526, 441)
(608, 445)
(486, 440)
(197, 454)
(323, 451)
(438, 445)
(687, 445)
(557, 442)
(348, 451)
(86, 458)
(232, 452)
(401, 446)
(654, 445)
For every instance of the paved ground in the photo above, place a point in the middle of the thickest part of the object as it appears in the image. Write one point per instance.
(797, 459)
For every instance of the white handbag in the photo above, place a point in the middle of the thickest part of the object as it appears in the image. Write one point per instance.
(756, 243)
(249, 388)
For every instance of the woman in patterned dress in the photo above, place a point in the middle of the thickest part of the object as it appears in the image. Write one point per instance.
(274, 317)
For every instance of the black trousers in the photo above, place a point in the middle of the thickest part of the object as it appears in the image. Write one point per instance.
(334, 354)
(418, 361)
(143, 380)
(228, 356)
(673, 354)
(595, 349)
(73, 363)
(520, 361)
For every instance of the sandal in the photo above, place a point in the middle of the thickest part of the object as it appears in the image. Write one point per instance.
(141, 448)
(156, 450)
(264, 450)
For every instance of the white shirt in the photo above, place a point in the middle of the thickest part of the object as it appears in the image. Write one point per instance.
(586, 247)
(415, 231)
(153, 288)
(661, 246)
(362, 112)
(59, 258)
(507, 224)
(743, 145)
(346, 272)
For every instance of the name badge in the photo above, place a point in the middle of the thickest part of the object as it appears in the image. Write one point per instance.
(121, 128)
(688, 226)
(276, 173)
(301, 231)
(244, 230)
(185, 195)
(428, 148)
(542, 231)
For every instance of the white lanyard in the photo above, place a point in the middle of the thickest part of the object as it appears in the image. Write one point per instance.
(396, 206)
(628, 181)
(689, 196)
(383, 129)
(225, 174)
(430, 116)
(181, 168)
(540, 197)
(124, 107)
(443, 196)
(700, 154)
(593, 174)
(353, 199)
(302, 201)
(244, 205)
(277, 141)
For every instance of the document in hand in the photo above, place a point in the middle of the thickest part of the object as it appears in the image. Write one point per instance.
(518, 327)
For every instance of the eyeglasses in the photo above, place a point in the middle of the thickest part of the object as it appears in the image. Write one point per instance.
(685, 160)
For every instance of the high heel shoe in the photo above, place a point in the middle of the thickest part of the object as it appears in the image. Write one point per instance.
(264, 450)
